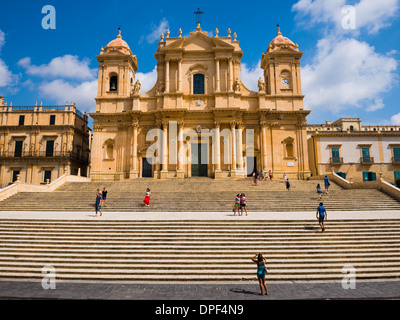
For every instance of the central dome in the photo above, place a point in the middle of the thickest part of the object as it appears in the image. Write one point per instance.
(280, 40)
(119, 44)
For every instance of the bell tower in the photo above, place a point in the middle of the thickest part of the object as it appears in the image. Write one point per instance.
(117, 68)
(281, 65)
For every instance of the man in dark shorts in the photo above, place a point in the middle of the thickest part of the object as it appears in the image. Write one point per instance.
(327, 184)
(321, 215)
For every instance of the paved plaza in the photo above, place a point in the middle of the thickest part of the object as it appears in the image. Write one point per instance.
(204, 291)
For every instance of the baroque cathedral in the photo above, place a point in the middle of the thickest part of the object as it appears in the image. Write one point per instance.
(199, 119)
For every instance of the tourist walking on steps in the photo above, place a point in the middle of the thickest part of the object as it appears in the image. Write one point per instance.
(255, 175)
(284, 177)
(104, 196)
(327, 184)
(321, 215)
(237, 205)
(270, 174)
(287, 184)
(243, 204)
(319, 191)
(261, 270)
(97, 204)
(146, 200)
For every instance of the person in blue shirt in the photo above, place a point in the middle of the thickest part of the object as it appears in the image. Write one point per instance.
(321, 215)
(97, 204)
(327, 184)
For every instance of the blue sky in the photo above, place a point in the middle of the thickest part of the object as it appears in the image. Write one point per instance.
(345, 72)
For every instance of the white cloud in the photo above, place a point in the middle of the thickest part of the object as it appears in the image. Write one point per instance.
(2, 39)
(147, 80)
(67, 66)
(369, 14)
(61, 91)
(157, 30)
(374, 15)
(7, 78)
(347, 73)
(395, 119)
(250, 75)
(75, 80)
(319, 11)
(376, 105)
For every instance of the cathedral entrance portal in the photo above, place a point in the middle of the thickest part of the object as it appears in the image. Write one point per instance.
(199, 159)
(147, 170)
(251, 165)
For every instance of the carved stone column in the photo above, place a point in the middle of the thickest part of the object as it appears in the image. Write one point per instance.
(179, 75)
(233, 136)
(264, 145)
(134, 170)
(166, 75)
(240, 147)
(180, 172)
(230, 88)
(217, 80)
(164, 166)
(217, 147)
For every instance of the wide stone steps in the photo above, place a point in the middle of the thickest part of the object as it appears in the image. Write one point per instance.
(198, 250)
(200, 194)
(223, 201)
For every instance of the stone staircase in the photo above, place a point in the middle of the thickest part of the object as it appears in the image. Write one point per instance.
(178, 251)
(200, 194)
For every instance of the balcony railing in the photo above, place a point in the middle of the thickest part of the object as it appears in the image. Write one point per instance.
(43, 154)
(367, 160)
(336, 160)
(49, 108)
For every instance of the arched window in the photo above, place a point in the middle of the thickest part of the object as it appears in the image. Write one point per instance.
(114, 83)
(198, 83)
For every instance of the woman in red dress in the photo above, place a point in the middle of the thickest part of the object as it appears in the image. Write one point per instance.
(147, 198)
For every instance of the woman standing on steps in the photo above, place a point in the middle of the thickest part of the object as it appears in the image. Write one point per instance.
(243, 204)
(237, 205)
(261, 270)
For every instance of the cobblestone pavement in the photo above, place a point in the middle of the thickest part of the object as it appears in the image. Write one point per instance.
(191, 291)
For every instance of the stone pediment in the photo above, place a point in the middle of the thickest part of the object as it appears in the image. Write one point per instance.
(198, 41)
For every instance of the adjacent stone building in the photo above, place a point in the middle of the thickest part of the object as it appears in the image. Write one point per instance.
(199, 119)
(354, 151)
(40, 143)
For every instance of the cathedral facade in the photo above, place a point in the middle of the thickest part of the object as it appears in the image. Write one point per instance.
(199, 119)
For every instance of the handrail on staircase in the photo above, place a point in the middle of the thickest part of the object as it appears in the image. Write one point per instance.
(19, 186)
